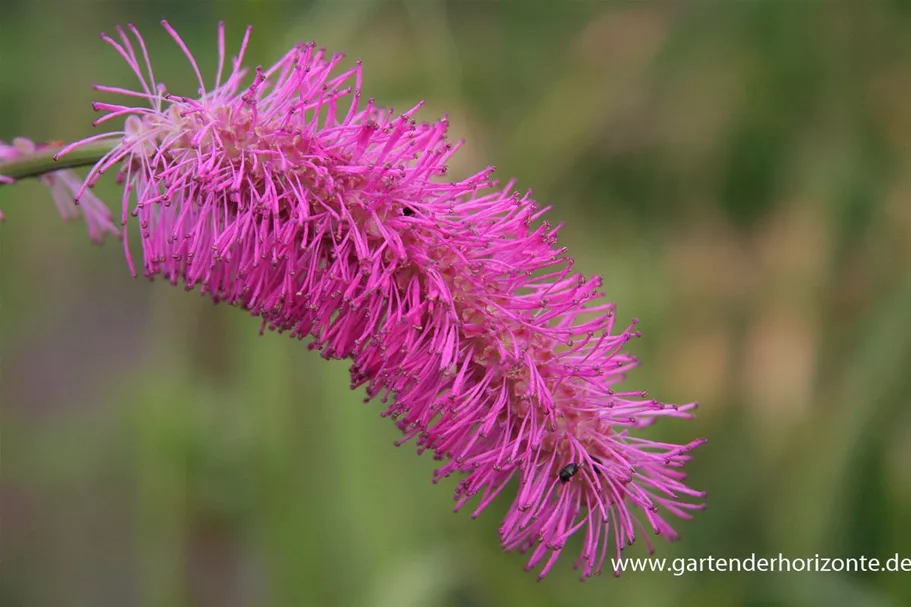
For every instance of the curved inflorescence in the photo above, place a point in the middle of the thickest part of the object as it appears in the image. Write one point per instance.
(327, 218)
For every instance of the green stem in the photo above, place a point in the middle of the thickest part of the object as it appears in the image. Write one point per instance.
(42, 161)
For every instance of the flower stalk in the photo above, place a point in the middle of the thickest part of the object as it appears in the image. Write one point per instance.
(43, 160)
(24, 158)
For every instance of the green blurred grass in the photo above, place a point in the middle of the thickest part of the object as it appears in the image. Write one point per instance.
(736, 171)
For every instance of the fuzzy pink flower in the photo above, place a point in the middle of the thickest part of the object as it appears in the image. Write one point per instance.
(328, 219)
(63, 185)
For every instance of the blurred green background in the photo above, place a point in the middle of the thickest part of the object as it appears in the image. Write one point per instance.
(738, 172)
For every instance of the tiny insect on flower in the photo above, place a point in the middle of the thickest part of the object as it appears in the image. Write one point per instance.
(567, 472)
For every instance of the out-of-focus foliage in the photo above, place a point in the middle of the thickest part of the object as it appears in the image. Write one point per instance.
(738, 172)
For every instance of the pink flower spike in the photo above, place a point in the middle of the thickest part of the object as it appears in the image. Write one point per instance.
(331, 220)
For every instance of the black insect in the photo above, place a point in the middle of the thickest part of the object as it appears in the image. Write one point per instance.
(568, 471)
(407, 211)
